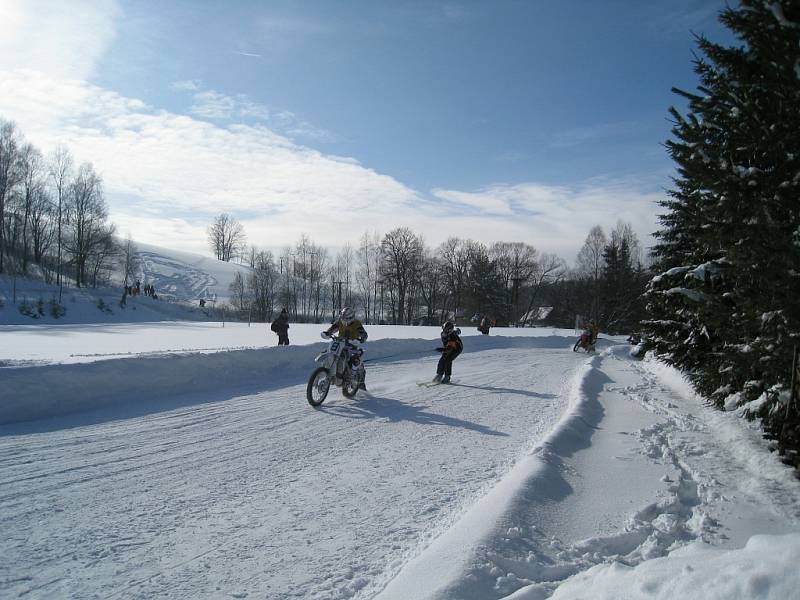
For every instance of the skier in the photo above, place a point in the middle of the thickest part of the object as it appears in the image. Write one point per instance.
(281, 327)
(350, 328)
(450, 349)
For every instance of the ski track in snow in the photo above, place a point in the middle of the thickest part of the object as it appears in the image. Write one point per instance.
(262, 496)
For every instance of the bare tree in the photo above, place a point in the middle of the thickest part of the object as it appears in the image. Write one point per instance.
(226, 237)
(455, 256)
(590, 257)
(432, 286)
(9, 176)
(129, 261)
(42, 227)
(262, 286)
(87, 214)
(590, 265)
(549, 269)
(402, 257)
(516, 264)
(60, 171)
(368, 258)
(238, 291)
(104, 251)
(31, 183)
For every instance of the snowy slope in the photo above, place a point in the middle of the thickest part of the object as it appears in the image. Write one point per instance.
(180, 280)
(85, 306)
(186, 276)
(542, 473)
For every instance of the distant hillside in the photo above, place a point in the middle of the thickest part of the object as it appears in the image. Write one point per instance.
(180, 279)
(36, 303)
(185, 276)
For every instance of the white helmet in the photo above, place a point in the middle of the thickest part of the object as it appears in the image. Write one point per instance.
(347, 315)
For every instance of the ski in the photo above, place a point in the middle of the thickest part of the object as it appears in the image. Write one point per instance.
(433, 383)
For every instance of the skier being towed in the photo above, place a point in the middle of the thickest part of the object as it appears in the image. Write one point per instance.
(350, 328)
(450, 349)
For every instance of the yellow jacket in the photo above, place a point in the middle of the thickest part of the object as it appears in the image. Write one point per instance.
(354, 331)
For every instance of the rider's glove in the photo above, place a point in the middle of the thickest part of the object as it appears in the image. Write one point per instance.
(325, 335)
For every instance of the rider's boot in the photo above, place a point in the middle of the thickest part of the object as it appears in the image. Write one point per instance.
(438, 378)
(363, 384)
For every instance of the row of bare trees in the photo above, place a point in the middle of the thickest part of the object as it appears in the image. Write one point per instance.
(397, 278)
(53, 215)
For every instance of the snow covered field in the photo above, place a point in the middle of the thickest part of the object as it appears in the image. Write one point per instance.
(179, 470)
(87, 342)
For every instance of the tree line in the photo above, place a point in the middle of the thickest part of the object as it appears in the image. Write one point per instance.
(53, 215)
(724, 306)
(397, 278)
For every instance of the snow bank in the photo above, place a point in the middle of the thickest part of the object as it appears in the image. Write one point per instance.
(458, 564)
(36, 392)
(765, 568)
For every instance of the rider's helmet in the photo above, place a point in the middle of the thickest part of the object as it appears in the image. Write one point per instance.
(347, 315)
(448, 326)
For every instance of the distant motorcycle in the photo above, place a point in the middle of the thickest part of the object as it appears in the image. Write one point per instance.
(586, 342)
(341, 366)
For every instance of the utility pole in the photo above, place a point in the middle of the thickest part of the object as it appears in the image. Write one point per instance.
(339, 283)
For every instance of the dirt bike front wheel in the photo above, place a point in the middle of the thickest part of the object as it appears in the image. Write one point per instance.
(318, 385)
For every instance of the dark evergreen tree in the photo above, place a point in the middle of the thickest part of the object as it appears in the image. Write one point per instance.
(486, 290)
(725, 306)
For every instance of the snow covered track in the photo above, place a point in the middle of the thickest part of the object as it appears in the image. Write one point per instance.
(540, 473)
(622, 477)
(142, 383)
(251, 492)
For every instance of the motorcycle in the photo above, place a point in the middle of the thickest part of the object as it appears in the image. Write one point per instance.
(586, 342)
(341, 365)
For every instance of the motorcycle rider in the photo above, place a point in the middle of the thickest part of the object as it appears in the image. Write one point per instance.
(450, 349)
(348, 328)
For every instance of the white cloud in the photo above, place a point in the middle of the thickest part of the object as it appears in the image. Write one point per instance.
(174, 163)
(62, 39)
(558, 218)
(217, 106)
(166, 175)
(186, 85)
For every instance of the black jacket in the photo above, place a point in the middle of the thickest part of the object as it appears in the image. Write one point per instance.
(281, 324)
(452, 344)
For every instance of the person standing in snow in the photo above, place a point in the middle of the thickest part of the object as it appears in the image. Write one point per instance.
(281, 327)
(348, 328)
(451, 347)
(485, 324)
(594, 331)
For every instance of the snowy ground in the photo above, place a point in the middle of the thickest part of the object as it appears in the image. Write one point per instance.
(541, 473)
(36, 344)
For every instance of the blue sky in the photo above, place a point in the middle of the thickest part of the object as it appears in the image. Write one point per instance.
(514, 120)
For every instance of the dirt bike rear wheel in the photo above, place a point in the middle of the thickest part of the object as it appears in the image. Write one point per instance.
(318, 386)
(350, 386)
